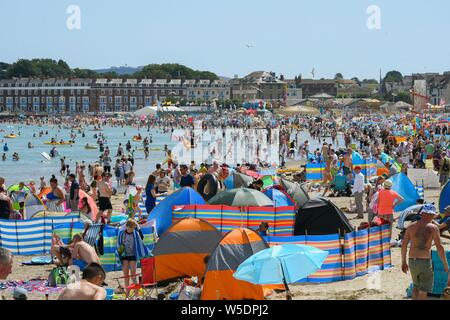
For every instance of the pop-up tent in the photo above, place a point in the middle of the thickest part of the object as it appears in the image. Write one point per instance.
(241, 197)
(444, 198)
(296, 191)
(279, 197)
(321, 217)
(404, 187)
(182, 249)
(241, 180)
(162, 213)
(32, 203)
(235, 247)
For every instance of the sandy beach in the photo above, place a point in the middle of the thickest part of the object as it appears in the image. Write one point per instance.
(392, 285)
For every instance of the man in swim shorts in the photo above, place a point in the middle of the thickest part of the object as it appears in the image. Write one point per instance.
(421, 235)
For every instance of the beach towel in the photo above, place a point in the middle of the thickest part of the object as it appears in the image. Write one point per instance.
(141, 250)
(32, 286)
(38, 261)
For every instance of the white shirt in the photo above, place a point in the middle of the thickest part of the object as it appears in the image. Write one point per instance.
(359, 183)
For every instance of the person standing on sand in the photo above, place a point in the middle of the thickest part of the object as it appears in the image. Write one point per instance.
(358, 192)
(104, 199)
(56, 197)
(421, 235)
(74, 193)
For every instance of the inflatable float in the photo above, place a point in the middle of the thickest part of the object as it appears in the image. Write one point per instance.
(10, 136)
(91, 147)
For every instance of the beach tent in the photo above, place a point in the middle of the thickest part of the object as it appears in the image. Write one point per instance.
(32, 203)
(320, 216)
(386, 158)
(404, 187)
(241, 180)
(182, 249)
(241, 197)
(279, 197)
(444, 198)
(229, 181)
(235, 247)
(296, 191)
(162, 213)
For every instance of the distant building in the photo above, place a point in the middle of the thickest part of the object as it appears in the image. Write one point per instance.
(294, 93)
(260, 85)
(311, 87)
(71, 96)
(47, 96)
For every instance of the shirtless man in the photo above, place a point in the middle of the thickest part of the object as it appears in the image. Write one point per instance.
(105, 193)
(421, 235)
(347, 164)
(89, 287)
(82, 253)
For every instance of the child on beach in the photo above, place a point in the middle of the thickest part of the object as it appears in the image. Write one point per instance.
(131, 248)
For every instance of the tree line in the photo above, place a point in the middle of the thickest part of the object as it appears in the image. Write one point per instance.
(49, 68)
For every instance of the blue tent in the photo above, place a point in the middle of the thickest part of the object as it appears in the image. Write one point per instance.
(404, 187)
(357, 158)
(279, 198)
(444, 198)
(162, 213)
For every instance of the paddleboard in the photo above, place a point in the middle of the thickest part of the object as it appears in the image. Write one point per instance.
(46, 156)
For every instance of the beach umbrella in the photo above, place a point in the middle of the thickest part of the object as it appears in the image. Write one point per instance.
(241, 197)
(283, 264)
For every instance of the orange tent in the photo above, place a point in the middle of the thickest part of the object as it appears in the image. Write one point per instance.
(182, 249)
(235, 247)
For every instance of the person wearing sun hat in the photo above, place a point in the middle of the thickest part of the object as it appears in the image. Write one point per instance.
(420, 237)
(387, 200)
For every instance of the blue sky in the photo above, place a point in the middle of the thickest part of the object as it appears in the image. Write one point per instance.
(289, 36)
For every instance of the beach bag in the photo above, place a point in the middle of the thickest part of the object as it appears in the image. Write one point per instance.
(58, 276)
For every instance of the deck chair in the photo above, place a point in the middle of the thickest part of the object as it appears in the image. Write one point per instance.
(339, 186)
(92, 233)
(147, 281)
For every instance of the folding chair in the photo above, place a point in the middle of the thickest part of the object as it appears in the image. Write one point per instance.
(339, 185)
(147, 281)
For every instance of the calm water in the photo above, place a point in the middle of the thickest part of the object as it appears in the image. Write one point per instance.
(32, 164)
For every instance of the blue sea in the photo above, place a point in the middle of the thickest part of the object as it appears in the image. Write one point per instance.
(32, 164)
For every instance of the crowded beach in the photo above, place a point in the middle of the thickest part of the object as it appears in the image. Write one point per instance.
(112, 229)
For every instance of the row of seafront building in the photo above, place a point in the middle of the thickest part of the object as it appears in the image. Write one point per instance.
(62, 96)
